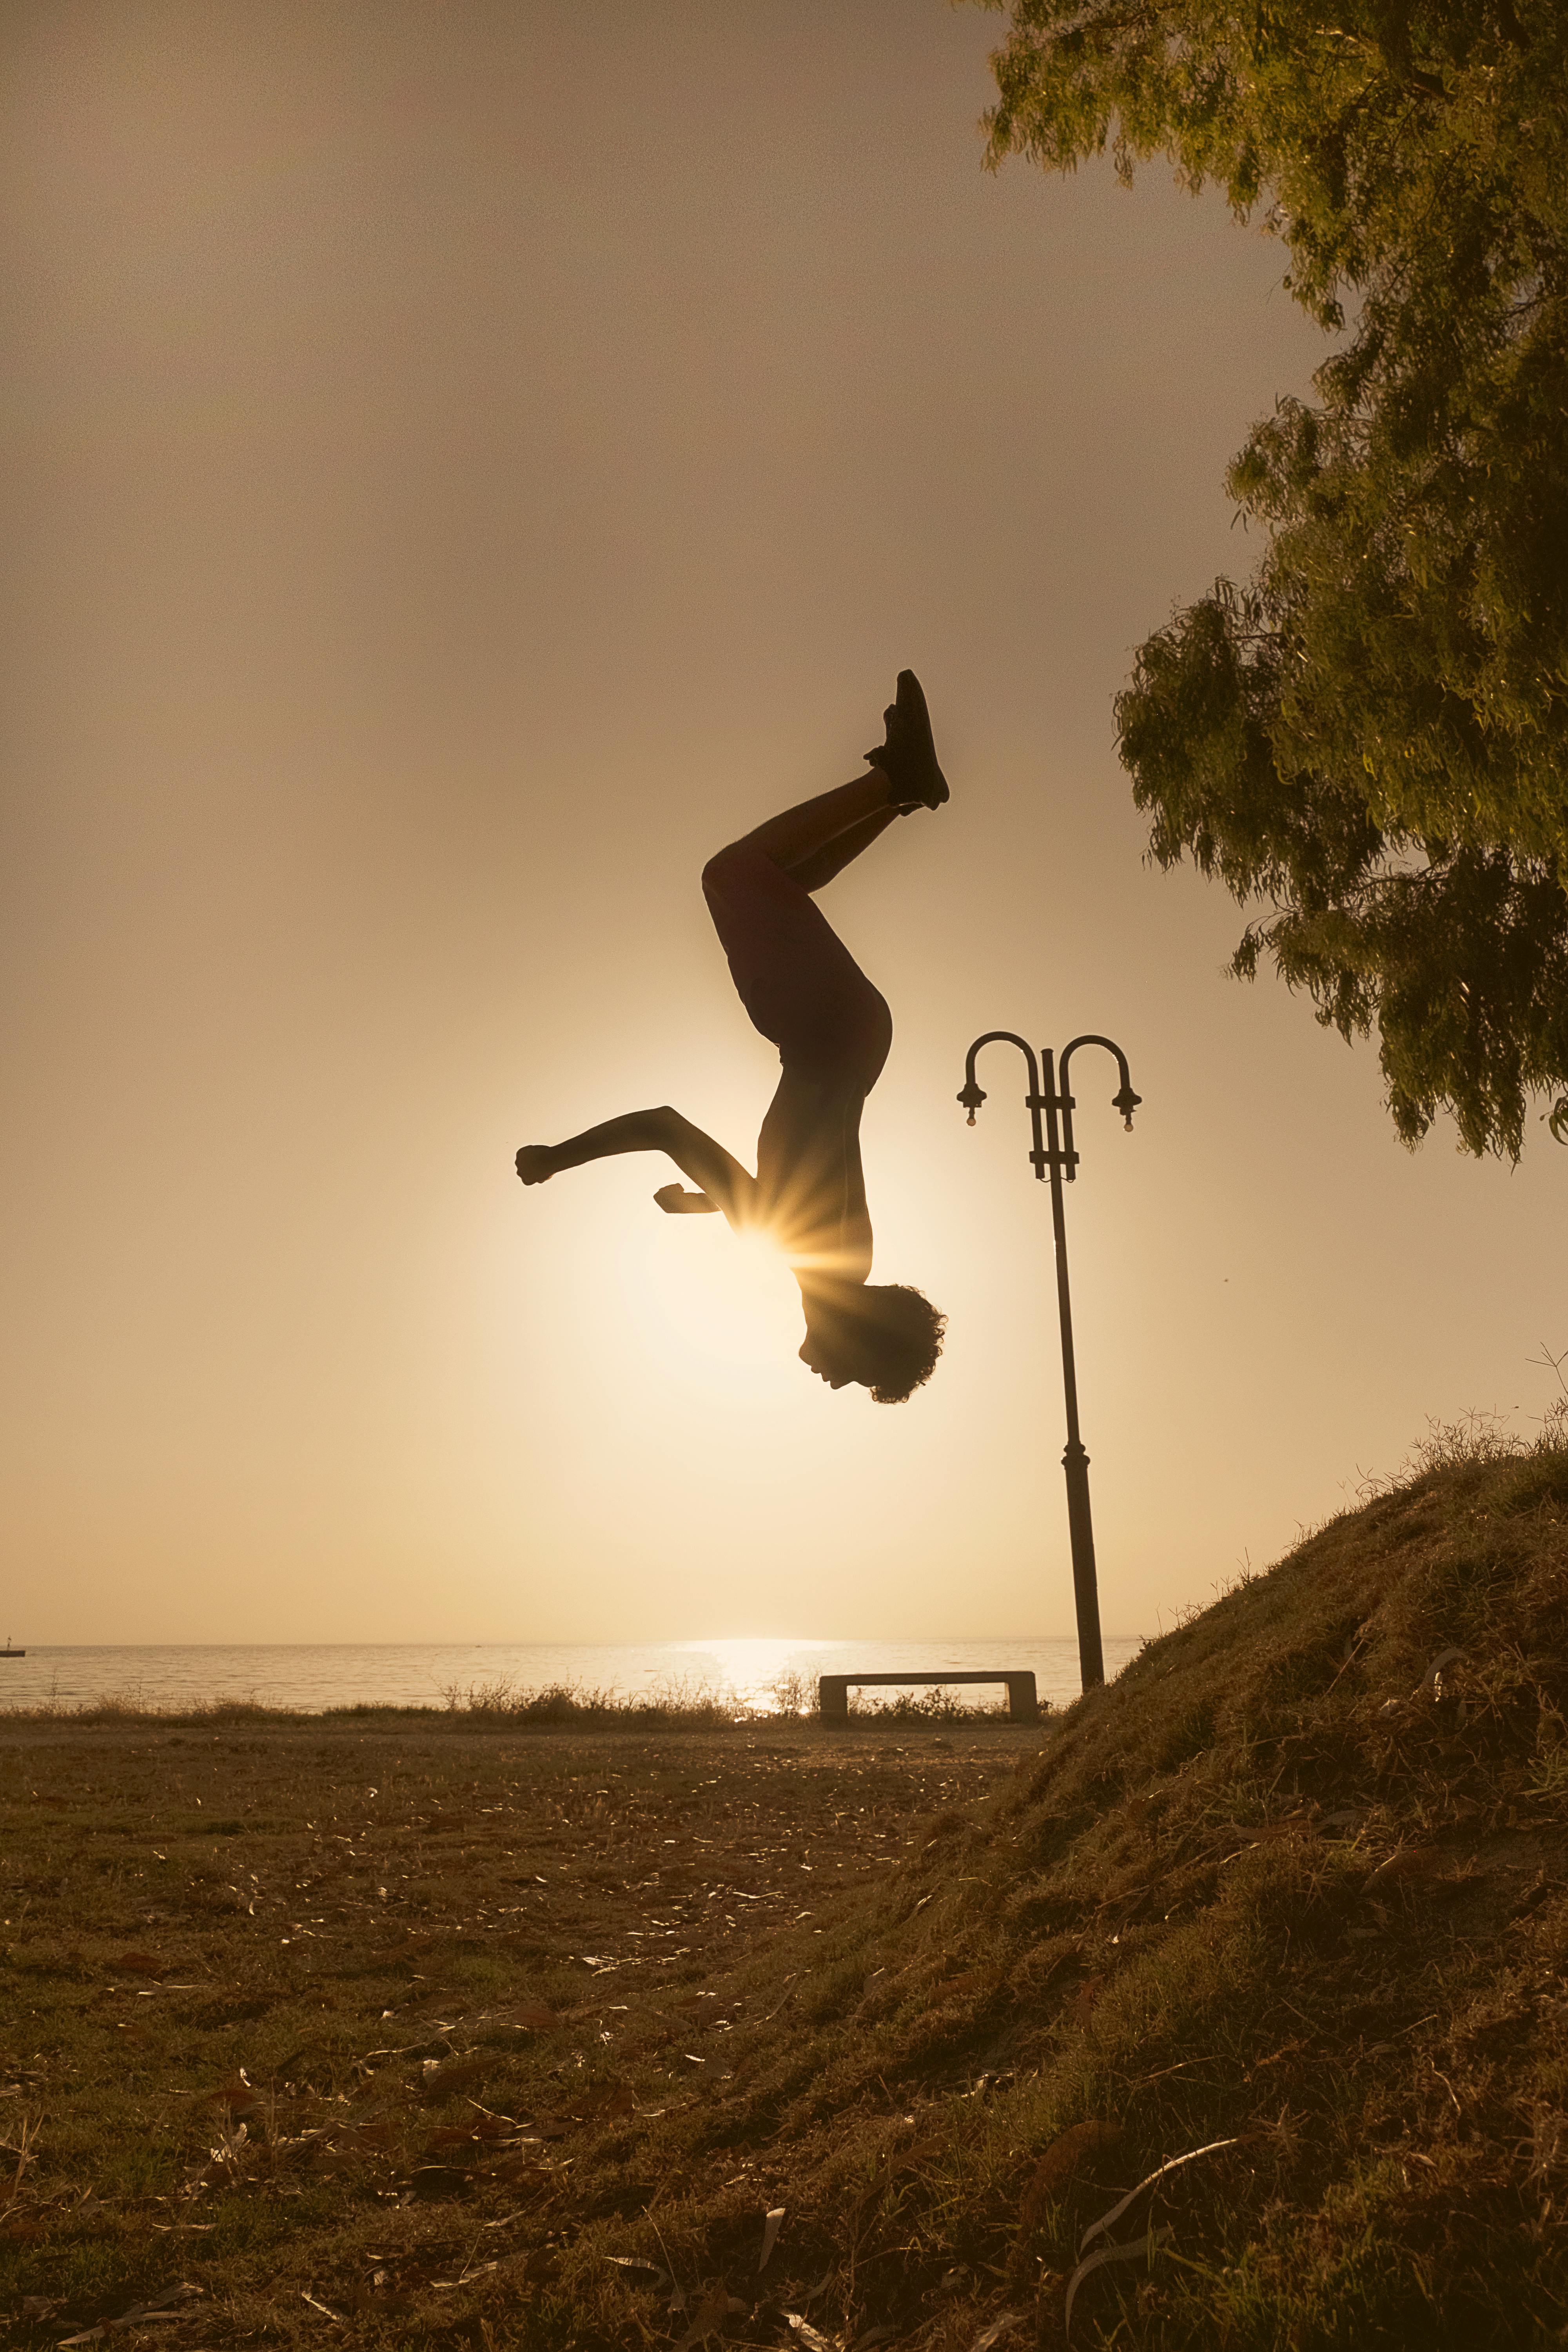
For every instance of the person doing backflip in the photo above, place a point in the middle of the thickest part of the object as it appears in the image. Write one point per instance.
(804, 990)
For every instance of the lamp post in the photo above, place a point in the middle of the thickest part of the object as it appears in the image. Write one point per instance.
(1054, 1156)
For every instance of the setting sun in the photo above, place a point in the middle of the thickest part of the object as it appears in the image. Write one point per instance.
(719, 1303)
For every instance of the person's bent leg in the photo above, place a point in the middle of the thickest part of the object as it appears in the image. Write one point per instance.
(802, 832)
(813, 871)
(798, 980)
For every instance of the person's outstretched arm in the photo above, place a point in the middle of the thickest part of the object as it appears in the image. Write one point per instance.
(725, 1185)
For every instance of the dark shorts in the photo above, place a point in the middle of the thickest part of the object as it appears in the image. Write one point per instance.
(796, 979)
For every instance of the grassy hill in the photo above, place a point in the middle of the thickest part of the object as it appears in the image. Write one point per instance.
(1298, 1882)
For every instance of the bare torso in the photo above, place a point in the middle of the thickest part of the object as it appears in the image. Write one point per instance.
(811, 1189)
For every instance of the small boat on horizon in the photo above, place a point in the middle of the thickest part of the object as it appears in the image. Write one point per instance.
(9, 1652)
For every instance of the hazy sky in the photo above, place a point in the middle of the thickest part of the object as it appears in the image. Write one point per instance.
(466, 464)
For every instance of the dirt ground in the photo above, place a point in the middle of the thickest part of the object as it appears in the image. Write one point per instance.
(285, 1998)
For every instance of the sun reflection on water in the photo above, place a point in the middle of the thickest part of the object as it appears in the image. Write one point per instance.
(755, 1667)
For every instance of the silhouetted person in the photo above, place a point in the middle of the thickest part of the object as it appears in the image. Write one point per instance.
(804, 992)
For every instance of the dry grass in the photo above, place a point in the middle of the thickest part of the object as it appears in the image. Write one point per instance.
(347, 2009)
(1273, 1935)
(503, 1702)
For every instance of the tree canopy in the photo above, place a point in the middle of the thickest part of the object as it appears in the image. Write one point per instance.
(1367, 742)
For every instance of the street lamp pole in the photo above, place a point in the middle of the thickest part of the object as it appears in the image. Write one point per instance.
(1053, 1157)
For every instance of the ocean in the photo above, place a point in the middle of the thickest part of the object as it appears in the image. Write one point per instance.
(309, 1676)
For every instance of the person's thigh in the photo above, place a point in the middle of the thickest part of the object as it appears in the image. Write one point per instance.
(798, 981)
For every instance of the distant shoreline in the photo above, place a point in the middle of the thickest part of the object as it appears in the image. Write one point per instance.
(744, 1676)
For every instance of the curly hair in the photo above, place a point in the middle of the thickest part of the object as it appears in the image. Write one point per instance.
(899, 1336)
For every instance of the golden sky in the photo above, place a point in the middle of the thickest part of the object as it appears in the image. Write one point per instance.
(464, 466)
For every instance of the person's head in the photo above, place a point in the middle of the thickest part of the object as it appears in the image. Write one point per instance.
(884, 1335)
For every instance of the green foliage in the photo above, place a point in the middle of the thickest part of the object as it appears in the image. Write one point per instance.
(1372, 737)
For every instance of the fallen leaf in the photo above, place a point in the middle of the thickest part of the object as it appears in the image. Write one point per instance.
(348, 2141)
(428, 2181)
(493, 2127)
(450, 2136)
(413, 1948)
(919, 2151)
(999, 2326)
(636, 2263)
(955, 1987)
(608, 2099)
(1261, 1832)
(1173, 2164)
(477, 2271)
(441, 2077)
(535, 2016)
(154, 2313)
(239, 2095)
(1432, 1680)
(812, 2337)
(1410, 1862)
(1286, 2049)
(525, 2175)
(712, 2312)
(227, 2157)
(1146, 2246)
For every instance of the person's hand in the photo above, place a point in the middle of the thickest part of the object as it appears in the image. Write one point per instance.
(677, 1201)
(536, 1163)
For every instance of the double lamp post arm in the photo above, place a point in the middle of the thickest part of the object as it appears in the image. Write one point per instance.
(1054, 1157)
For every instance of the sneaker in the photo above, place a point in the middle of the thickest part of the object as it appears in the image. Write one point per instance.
(908, 757)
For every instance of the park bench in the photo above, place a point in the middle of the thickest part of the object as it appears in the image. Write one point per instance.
(832, 1692)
